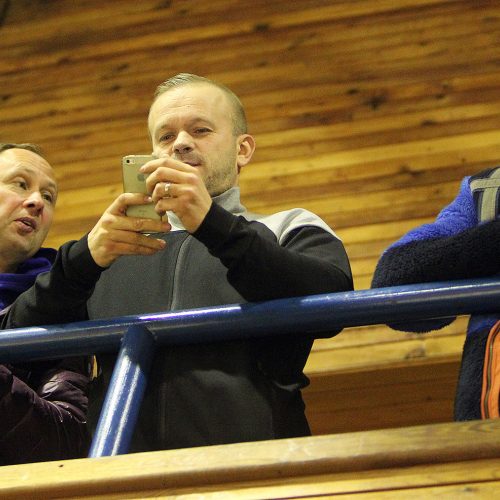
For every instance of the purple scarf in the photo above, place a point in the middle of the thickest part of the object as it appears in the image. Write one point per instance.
(13, 284)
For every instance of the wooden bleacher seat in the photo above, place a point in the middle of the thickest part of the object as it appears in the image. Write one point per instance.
(451, 460)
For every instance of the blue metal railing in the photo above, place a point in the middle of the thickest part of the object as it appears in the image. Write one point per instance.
(320, 315)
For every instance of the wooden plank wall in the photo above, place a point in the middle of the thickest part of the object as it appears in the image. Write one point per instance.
(367, 112)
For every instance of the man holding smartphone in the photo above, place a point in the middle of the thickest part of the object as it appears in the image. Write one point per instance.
(216, 253)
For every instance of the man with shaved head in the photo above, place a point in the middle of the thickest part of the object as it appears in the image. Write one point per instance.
(214, 252)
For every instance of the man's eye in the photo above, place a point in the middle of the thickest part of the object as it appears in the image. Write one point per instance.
(48, 197)
(20, 183)
(202, 130)
(166, 137)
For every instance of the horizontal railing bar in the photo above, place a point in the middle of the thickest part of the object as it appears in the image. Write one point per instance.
(319, 315)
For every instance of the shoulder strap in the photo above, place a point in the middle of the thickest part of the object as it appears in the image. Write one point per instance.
(485, 189)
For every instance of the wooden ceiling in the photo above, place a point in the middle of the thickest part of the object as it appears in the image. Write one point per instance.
(367, 112)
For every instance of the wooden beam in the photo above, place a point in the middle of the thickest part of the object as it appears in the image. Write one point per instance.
(345, 462)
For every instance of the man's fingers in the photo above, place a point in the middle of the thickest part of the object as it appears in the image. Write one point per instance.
(142, 225)
(120, 204)
(106, 245)
(165, 162)
(163, 175)
(168, 170)
(133, 239)
(128, 248)
(152, 165)
(166, 190)
(115, 216)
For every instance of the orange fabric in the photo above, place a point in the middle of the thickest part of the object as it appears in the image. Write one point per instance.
(491, 375)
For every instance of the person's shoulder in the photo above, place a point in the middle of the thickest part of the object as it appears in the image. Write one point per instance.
(486, 173)
(288, 220)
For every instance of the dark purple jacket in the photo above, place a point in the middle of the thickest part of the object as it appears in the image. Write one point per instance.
(43, 404)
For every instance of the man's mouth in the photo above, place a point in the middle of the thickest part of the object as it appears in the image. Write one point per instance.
(29, 223)
(194, 162)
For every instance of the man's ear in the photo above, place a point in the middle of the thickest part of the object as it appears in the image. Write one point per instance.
(246, 147)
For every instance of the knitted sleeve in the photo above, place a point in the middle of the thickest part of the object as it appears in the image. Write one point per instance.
(453, 247)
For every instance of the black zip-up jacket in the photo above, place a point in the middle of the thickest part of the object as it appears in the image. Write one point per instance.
(222, 392)
(43, 404)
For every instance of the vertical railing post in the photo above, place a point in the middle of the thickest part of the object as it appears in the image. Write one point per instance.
(124, 396)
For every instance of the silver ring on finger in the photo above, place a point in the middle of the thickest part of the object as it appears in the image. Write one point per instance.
(167, 190)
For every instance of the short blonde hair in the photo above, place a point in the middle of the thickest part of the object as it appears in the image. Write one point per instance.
(240, 125)
(34, 148)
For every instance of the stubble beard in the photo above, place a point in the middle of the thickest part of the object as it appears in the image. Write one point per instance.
(221, 177)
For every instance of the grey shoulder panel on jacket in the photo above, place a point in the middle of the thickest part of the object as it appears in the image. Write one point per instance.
(283, 223)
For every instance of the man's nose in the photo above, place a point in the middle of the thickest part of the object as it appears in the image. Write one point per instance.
(34, 203)
(183, 143)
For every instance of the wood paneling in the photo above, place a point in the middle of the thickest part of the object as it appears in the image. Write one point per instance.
(366, 112)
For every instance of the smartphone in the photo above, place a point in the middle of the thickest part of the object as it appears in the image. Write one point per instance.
(135, 182)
